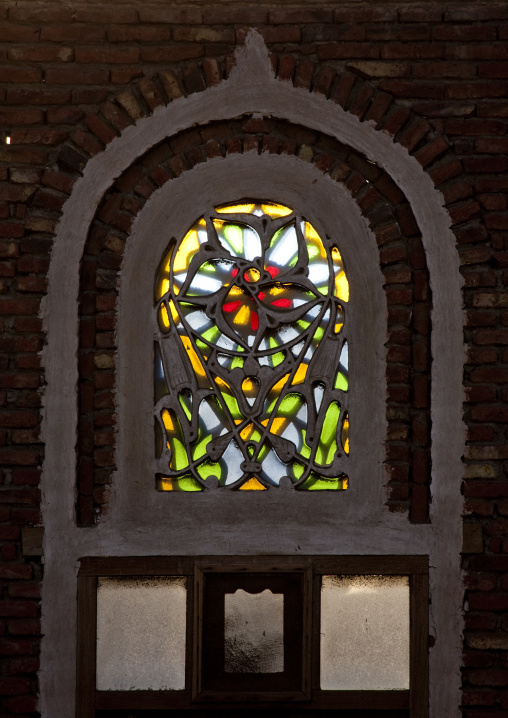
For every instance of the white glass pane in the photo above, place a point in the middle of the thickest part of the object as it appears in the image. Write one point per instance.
(253, 632)
(141, 633)
(364, 632)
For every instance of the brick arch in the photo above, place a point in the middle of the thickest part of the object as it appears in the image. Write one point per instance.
(402, 260)
(357, 96)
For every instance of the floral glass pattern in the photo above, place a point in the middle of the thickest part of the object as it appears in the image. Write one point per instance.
(251, 357)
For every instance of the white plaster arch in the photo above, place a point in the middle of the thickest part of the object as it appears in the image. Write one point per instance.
(251, 88)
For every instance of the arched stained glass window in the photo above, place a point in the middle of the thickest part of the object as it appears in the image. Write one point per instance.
(251, 356)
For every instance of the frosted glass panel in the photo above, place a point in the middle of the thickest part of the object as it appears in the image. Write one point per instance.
(141, 634)
(254, 632)
(364, 632)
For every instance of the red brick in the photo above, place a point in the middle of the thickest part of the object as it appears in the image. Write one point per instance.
(104, 14)
(492, 145)
(105, 54)
(281, 33)
(139, 33)
(12, 116)
(100, 129)
(20, 74)
(20, 666)
(41, 53)
(19, 418)
(171, 53)
(411, 50)
(76, 76)
(18, 609)
(177, 15)
(15, 572)
(344, 32)
(348, 51)
(14, 686)
(24, 627)
(496, 221)
(22, 704)
(379, 105)
(10, 32)
(490, 414)
(150, 94)
(492, 108)
(71, 32)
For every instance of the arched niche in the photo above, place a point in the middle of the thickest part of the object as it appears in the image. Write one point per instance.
(251, 88)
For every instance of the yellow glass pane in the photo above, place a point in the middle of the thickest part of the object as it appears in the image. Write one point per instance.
(163, 318)
(235, 291)
(345, 434)
(252, 275)
(174, 311)
(278, 425)
(196, 363)
(247, 432)
(184, 483)
(167, 421)
(342, 287)
(162, 285)
(252, 485)
(311, 234)
(300, 375)
(341, 282)
(187, 249)
(242, 316)
(275, 210)
(236, 209)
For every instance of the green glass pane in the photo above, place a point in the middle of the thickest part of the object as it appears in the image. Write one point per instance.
(237, 362)
(277, 358)
(199, 449)
(179, 458)
(234, 236)
(315, 482)
(297, 469)
(232, 405)
(290, 404)
(203, 348)
(209, 468)
(211, 334)
(185, 399)
(305, 449)
(340, 382)
(188, 483)
(182, 483)
(328, 440)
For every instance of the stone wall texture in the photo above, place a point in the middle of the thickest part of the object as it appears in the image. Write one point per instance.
(74, 75)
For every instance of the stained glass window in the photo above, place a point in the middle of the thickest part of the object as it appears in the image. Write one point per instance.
(251, 356)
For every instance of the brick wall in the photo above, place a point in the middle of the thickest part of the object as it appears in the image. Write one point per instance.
(74, 75)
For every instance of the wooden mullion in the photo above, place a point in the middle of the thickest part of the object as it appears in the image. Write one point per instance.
(308, 630)
(316, 634)
(86, 644)
(137, 566)
(370, 565)
(419, 646)
(197, 646)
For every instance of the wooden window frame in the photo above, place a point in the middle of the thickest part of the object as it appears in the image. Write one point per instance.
(412, 702)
